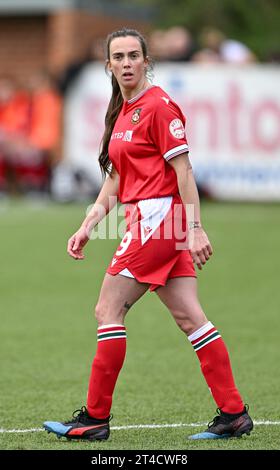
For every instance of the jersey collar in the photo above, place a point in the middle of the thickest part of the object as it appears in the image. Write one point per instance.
(136, 98)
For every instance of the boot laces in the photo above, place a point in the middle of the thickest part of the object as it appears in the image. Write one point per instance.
(79, 414)
(217, 419)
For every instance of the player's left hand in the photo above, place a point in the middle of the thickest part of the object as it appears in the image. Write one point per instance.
(199, 246)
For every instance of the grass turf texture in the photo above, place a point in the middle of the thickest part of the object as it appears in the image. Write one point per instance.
(48, 334)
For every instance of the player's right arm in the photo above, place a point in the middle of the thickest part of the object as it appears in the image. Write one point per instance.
(105, 201)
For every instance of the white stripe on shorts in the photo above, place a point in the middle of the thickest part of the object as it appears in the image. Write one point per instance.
(153, 211)
(125, 272)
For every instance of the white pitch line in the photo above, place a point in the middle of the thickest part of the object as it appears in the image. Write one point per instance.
(15, 431)
(144, 426)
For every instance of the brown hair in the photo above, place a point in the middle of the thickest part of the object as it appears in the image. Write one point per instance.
(116, 100)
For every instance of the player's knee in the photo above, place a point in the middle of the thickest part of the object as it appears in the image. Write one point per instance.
(185, 325)
(105, 314)
(189, 326)
(100, 313)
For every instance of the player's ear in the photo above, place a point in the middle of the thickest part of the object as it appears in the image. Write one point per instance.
(147, 61)
(108, 65)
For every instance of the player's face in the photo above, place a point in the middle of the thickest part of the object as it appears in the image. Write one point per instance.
(127, 62)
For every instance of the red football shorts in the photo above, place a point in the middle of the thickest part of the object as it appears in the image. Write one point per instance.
(154, 247)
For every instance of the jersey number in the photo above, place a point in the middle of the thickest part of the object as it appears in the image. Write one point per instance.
(124, 243)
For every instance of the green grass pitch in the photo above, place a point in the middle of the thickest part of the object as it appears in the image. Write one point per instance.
(48, 333)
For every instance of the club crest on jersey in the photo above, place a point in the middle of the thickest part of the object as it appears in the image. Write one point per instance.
(136, 116)
(176, 128)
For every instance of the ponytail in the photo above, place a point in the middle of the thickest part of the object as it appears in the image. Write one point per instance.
(112, 113)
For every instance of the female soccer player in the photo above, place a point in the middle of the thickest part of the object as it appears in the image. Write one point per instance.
(145, 156)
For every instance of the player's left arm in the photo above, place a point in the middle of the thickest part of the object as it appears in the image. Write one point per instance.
(199, 245)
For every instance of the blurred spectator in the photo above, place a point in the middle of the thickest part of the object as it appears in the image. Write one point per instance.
(207, 56)
(30, 130)
(179, 44)
(211, 38)
(234, 52)
(230, 51)
(13, 106)
(157, 45)
(44, 129)
(14, 113)
(174, 44)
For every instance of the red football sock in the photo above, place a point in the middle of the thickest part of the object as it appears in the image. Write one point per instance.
(107, 363)
(215, 365)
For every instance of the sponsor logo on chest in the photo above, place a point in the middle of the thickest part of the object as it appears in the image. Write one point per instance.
(124, 136)
(127, 136)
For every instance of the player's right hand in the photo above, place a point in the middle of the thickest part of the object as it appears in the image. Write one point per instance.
(76, 244)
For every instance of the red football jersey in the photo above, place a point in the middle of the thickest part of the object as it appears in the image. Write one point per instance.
(149, 131)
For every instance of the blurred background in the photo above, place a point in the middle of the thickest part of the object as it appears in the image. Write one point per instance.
(218, 60)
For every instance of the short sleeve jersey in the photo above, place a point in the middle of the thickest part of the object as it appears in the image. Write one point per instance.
(149, 131)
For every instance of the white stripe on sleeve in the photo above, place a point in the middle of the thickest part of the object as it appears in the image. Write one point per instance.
(176, 151)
